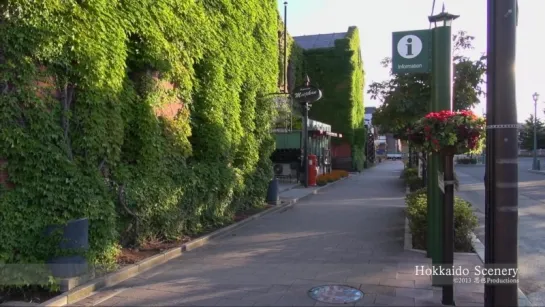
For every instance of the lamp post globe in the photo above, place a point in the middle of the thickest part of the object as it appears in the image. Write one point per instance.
(535, 162)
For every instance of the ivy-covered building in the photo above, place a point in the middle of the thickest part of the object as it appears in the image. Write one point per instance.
(334, 63)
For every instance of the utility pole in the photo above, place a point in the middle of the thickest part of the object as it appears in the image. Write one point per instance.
(501, 244)
(535, 164)
(285, 46)
(441, 100)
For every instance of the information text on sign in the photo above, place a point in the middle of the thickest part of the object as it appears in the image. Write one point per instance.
(410, 51)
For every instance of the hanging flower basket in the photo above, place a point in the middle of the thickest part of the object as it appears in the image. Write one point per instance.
(448, 132)
(416, 136)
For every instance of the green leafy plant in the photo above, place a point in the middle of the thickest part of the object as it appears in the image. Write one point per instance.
(465, 221)
(338, 72)
(410, 175)
(139, 115)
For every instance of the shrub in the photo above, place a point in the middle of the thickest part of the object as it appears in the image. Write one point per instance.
(339, 173)
(464, 221)
(415, 183)
(321, 180)
(410, 172)
(410, 175)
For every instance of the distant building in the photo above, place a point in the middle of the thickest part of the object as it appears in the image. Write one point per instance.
(333, 63)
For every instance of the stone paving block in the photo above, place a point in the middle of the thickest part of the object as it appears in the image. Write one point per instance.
(291, 298)
(364, 279)
(468, 304)
(397, 283)
(469, 297)
(279, 288)
(377, 289)
(367, 300)
(263, 299)
(414, 293)
(394, 300)
(424, 284)
(301, 275)
(112, 301)
(143, 293)
(412, 276)
(205, 302)
(428, 303)
(468, 288)
(233, 302)
(339, 276)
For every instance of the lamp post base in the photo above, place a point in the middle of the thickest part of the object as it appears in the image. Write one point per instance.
(536, 165)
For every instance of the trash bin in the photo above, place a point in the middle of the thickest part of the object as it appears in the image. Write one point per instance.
(273, 197)
(75, 237)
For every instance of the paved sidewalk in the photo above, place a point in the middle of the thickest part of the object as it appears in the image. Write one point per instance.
(350, 234)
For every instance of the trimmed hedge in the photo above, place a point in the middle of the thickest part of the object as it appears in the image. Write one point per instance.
(93, 146)
(334, 175)
(465, 221)
(410, 176)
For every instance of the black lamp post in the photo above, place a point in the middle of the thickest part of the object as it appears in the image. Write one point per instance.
(306, 95)
(535, 164)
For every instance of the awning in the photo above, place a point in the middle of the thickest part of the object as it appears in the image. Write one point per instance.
(324, 133)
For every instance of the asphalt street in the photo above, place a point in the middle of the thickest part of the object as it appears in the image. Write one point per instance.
(531, 227)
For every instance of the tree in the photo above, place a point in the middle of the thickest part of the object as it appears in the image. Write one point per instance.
(405, 97)
(526, 136)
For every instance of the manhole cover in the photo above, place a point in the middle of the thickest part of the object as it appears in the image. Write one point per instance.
(335, 294)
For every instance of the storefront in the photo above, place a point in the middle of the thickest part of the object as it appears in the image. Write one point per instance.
(289, 144)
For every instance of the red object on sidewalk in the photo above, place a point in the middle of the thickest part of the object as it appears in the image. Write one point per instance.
(312, 169)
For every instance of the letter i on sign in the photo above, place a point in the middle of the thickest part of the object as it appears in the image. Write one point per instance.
(409, 46)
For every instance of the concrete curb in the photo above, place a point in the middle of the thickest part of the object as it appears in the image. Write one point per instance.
(536, 172)
(127, 272)
(477, 246)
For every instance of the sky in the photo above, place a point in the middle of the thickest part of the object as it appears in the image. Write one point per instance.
(376, 20)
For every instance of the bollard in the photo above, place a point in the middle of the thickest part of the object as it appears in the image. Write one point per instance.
(273, 198)
(75, 236)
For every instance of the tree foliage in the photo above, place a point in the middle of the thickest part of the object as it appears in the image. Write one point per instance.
(526, 136)
(405, 97)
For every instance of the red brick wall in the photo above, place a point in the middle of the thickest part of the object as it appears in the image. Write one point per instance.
(4, 177)
(341, 150)
(170, 109)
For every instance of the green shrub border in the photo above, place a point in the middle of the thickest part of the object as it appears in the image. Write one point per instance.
(465, 221)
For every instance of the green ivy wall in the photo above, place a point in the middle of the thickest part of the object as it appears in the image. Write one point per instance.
(338, 71)
(83, 83)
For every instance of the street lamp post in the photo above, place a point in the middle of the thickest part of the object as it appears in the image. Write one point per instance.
(441, 100)
(535, 164)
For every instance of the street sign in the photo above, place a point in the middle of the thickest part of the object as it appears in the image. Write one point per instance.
(307, 94)
(411, 51)
(441, 181)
